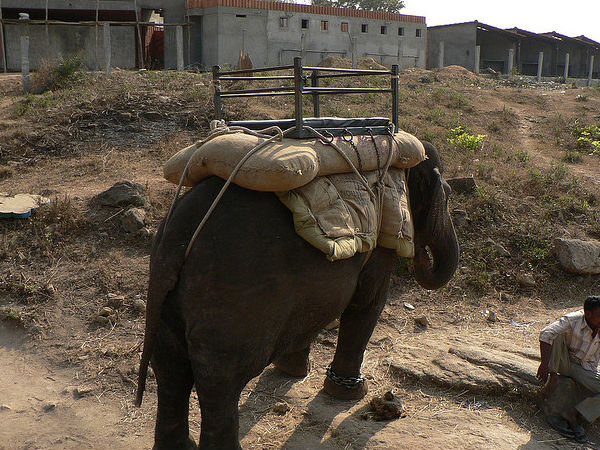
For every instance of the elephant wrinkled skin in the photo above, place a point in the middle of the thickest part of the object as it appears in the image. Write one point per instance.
(252, 292)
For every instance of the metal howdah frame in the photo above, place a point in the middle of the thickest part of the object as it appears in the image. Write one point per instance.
(301, 87)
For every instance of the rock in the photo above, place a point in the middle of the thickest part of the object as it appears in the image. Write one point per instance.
(409, 306)
(566, 395)
(577, 256)
(5, 407)
(145, 234)
(459, 217)
(123, 193)
(387, 407)
(281, 408)
(491, 316)
(102, 320)
(106, 311)
(80, 392)
(115, 301)
(125, 117)
(139, 305)
(47, 407)
(154, 116)
(526, 280)
(466, 364)
(422, 321)
(463, 185)
(504, 297)
(133, 219)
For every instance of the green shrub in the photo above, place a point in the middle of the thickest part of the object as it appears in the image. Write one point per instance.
(588, 136)
(463, 140)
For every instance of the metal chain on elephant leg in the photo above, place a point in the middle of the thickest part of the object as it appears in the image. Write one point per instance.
(347, 382)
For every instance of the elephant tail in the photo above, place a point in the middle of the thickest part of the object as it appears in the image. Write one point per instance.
(165, 265)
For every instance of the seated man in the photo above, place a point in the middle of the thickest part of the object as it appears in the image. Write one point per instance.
(571, 347)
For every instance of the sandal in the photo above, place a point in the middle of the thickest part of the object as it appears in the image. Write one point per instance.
(578, 433)
(562, 426)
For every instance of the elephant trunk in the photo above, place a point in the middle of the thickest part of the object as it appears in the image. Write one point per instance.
(436, 262)
(436, 246)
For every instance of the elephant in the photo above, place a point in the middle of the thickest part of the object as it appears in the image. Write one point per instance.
(252, 292)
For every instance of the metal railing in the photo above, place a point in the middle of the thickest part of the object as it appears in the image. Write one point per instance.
(301, 87)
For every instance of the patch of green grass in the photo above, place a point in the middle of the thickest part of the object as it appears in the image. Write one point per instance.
(461, 139)
(588, 137)
(450, 99)
(533, 247)
(485, 207)
(572, 156)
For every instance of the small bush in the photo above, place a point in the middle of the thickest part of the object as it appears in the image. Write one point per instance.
(588, 137)
(463, 140)
(54, 75)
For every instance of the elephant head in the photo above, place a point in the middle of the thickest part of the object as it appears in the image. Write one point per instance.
(436, 245)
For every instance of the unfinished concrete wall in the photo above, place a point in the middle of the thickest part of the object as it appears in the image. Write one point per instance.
(494, 50)
(274, 37)
(529, 49)
(459, 45)
(63, 40)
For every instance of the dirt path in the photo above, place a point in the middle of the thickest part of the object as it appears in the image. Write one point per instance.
(39, 408)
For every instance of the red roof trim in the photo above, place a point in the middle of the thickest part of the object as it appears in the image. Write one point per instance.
(308, 9)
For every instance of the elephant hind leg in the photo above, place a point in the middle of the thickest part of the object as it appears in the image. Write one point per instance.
(175, 379)
(220, 416)
(296, 364)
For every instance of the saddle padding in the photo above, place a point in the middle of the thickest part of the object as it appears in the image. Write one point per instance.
(289, 163)
(337, 215)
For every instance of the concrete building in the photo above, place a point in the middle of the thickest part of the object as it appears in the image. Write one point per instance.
(211, 32)
(477, 46)
(273, 33)
(60, 27)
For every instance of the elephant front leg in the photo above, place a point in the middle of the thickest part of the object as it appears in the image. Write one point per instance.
(357, 323)
(175, 379)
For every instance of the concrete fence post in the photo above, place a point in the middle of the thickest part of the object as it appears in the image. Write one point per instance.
(540, 65)
(303, 48)
(354, 56)
(511, 61)
(2, 44)
(441, 56)
(179, 44)
(25, 62)
(107, 50)
(477, 58)
(591, 71)
(400, 54)
(566, 74)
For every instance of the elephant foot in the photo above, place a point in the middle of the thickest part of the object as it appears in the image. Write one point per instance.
(189, 445)
(350, 388)
(294, 364)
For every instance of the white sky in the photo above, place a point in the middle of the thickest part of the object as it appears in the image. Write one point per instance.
(569, 17)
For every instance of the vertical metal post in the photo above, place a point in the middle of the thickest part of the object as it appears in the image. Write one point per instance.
(395, 96)
(107, 49)
(477, 58)
(298, 85)
(217, 94)
(590, 72)
(540, 65)
(315, 83)
(3, 49)
(566, 74)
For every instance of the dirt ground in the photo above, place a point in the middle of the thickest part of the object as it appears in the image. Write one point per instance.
(67, 381)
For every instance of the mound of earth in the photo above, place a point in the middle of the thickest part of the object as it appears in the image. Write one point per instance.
(454, 72)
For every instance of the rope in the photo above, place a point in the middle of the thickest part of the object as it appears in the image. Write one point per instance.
(234, 172)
